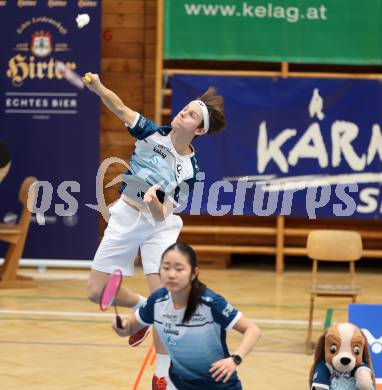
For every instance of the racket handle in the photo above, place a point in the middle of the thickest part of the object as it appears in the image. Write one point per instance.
(119, 322)
(87, 79)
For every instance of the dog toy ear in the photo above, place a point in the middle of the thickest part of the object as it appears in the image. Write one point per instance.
(366, 357)
(319, 354)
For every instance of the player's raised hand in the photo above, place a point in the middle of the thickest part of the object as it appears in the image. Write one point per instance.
(92, 82)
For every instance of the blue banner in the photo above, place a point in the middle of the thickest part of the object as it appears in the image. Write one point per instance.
(51, 125)
(369, 319)
(298, 146)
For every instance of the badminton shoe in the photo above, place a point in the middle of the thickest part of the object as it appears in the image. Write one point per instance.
(138, 337)
(159, 383)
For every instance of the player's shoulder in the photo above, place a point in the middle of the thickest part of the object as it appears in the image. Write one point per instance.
(143, 127)
(160, 295)
(210, 298)
(161, 130)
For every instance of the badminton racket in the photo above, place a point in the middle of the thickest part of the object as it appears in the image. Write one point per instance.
(109, 294)
(70, 75)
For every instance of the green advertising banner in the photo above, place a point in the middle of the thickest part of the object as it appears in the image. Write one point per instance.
(299, 31)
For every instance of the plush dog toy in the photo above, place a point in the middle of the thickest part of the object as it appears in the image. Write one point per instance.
(342, 360)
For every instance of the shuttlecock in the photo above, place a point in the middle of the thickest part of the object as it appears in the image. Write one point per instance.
(82, 20)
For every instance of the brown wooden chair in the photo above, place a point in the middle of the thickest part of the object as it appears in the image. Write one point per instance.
(333, 246)
(16, 236)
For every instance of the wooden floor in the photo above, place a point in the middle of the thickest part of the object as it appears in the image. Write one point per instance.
(53, 338)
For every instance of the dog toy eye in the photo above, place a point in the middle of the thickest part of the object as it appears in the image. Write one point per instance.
(333, 348)
(356, 350)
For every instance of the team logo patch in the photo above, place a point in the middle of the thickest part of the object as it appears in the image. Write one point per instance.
(228, 310)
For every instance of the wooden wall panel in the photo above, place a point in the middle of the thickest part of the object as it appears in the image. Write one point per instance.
(111, 49)
(121, 20)
(125, 7)
(125, 35)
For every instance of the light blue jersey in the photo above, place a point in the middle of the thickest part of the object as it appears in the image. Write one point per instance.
(326, 378)
(195, 345)
(155, 161)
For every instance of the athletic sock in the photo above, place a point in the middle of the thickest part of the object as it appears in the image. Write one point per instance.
(163, 365)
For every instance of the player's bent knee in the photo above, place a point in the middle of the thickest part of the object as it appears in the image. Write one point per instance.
(96, 283)
(94, 293)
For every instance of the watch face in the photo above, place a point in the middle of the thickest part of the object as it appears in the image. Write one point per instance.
(236, 359)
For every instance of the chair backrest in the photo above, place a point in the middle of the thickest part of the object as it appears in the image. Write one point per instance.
(334, 245)
(4, 171)
(25, 188)
(27, 194)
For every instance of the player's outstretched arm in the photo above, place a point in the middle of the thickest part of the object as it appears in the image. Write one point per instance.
(109, 98)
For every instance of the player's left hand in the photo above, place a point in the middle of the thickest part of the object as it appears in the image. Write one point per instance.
(150, 194)
(223, 369)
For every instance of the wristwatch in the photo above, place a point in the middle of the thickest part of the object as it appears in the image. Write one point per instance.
(236, 359)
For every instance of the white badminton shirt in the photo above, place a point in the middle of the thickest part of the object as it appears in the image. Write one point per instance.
(195, 345)
(155, 161)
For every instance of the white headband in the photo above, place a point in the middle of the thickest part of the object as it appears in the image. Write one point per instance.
(206, 115)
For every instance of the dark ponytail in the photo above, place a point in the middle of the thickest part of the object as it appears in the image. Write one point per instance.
(197, 287)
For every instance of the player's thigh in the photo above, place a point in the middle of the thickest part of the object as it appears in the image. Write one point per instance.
(96, 282)
(116, 253)
(125, 232)
(165, 234)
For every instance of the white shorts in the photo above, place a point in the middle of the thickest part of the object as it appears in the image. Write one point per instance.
(130, 230)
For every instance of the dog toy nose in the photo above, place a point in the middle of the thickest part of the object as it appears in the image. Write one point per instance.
(345, 361)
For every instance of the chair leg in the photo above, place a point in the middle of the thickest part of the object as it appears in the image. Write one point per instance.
(309, 346)
(11, 263)
(12, 259)
(8, 275)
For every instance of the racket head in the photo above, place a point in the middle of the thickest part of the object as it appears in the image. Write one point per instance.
(69, 75)
(110, 289)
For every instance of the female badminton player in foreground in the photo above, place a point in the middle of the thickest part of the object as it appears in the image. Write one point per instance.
(161, 174)
(192, 322)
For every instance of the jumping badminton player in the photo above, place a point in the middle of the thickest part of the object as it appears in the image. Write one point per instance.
(192, 322)
(162, 172)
